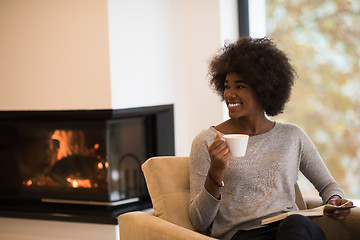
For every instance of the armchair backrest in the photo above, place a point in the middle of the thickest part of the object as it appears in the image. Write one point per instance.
(168, 182)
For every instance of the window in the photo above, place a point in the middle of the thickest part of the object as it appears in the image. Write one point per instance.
(322, 39)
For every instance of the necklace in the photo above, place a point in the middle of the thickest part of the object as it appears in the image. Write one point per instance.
(262, 130)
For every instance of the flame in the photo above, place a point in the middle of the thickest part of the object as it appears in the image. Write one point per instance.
(70, 143)
(75, 183)
(100, 165)
(28, 183)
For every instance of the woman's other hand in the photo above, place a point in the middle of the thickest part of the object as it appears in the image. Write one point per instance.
(339, 214)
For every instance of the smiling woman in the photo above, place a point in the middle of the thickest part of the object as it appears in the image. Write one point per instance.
(255, 79)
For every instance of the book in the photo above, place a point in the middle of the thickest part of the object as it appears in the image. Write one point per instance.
(313, 212)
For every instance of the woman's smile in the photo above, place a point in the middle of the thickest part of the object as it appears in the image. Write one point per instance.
(234, 105)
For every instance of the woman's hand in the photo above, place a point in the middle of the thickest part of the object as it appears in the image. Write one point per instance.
(219, 154)
(339, 214)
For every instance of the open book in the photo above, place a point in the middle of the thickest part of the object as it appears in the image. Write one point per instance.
(313, 212)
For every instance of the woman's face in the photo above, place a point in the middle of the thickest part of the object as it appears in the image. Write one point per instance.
(240, 97)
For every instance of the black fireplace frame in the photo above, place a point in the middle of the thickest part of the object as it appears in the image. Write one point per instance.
(159, 121)
(159, 116)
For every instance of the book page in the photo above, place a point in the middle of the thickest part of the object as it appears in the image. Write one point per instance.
(312, 212)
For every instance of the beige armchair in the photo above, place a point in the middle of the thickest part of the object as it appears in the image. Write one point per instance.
(168, 182)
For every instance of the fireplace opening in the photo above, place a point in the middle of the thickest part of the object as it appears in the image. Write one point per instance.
(82, 156)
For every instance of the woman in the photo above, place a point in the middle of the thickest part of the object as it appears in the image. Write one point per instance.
(255, 78)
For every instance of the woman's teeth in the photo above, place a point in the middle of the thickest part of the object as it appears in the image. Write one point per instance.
(234, 104)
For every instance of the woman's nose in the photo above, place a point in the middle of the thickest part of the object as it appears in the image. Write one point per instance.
(230, 94)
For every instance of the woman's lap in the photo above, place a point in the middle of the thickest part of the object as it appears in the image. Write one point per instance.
(295, 227)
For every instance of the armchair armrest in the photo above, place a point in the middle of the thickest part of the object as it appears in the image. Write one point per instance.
(313, 202)
(334, 229)
(145, 226)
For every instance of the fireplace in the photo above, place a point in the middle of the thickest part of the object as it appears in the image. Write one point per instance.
(81, 156)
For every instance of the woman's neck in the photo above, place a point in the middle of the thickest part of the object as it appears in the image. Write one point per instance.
(247, 126)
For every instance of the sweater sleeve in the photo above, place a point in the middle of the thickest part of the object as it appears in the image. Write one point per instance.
(314, 169)
(203, 206)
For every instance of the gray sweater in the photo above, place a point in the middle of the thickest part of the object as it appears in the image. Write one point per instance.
(258, 185)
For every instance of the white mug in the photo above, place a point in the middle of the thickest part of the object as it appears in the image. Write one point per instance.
(237, 143)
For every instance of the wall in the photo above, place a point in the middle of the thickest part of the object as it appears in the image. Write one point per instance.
(54, 54)
(159, 52)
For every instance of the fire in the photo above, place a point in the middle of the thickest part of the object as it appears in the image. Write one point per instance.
(70, 143)
(28, 183)
(100, 165)
(75, 183)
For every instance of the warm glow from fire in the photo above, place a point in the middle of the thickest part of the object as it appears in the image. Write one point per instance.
(75, 183)
(100, 165)
(28, 183)
(71, 144)
(67, 144)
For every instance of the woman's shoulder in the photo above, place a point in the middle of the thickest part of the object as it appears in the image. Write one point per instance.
(206, 134)
(202, 141)
(290, 129)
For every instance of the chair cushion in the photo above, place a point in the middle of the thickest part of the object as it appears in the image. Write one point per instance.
(300, 202)
(168, 182)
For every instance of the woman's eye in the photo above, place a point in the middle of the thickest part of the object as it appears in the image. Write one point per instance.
(237, 87)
